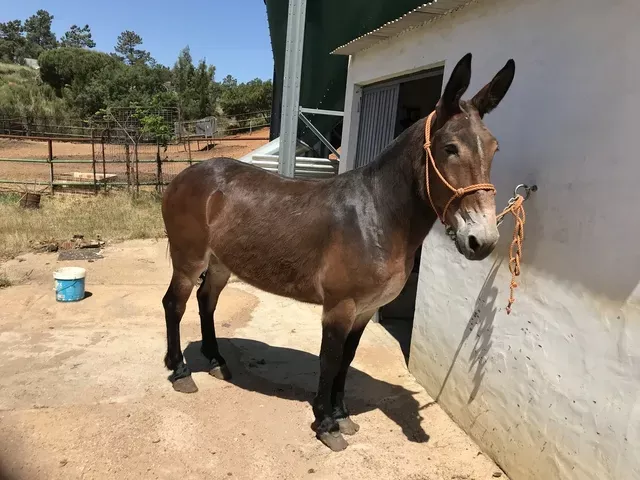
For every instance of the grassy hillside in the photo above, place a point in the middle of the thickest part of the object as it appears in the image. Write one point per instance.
(23, 94)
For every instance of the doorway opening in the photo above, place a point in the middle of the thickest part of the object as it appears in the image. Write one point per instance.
(405, 101)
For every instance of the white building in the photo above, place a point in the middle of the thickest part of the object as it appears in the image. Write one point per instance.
(551, 391)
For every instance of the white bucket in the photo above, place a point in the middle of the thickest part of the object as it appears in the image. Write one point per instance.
(70, 273)
(69, 284)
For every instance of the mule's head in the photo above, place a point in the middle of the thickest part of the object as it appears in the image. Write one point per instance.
(463, 148)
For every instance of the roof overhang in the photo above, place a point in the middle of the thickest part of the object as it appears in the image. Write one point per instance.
(416, 17)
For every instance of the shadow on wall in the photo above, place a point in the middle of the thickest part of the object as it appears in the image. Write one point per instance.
(482, 317)
(292, 375)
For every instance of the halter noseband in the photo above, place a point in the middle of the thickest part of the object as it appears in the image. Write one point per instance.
(457, 192)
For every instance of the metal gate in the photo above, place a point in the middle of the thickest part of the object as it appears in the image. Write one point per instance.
(378, 109)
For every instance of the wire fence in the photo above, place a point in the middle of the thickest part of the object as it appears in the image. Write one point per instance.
(107, 159)
(126, 121)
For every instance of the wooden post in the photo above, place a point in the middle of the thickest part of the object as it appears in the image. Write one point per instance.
(104, 167)
(159, 169)
(135, 153)
(93, 162)
(50, 143)
(128, 160)
(189, 149)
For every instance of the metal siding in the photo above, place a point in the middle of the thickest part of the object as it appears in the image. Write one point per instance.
(378, 108)
(329, 23)
(418, 16)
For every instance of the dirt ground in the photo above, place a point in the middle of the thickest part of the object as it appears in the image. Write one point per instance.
(84, 393)
(174, 157)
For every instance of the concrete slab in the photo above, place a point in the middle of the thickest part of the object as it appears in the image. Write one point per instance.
(84, 393)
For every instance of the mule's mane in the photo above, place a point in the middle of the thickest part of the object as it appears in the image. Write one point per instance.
(407, 144)
(395, 182)
(398, 171)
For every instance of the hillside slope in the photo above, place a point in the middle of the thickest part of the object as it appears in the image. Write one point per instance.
(23, 94)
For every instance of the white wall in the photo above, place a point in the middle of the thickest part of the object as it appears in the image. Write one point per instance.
(553, 390)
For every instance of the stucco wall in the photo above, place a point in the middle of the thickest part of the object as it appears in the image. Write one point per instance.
(553, 390)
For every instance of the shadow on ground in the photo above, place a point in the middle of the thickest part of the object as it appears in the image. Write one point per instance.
(400, 329)
(292, 375)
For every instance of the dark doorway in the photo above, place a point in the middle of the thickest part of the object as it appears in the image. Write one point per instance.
(417, 98)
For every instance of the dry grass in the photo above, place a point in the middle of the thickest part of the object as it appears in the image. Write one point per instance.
(113, 217)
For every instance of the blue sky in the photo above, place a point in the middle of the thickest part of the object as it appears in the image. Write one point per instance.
(233, 35)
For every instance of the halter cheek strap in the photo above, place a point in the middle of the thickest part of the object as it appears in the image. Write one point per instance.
(457, 192)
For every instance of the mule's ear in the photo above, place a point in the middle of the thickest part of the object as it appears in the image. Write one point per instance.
(449, 103)
(493, 92)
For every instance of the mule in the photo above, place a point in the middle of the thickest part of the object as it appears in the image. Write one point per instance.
(347, 243)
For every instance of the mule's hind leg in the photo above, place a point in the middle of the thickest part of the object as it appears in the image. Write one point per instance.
(215, 279)
(174, 302)
(336, 325)
(340, 412)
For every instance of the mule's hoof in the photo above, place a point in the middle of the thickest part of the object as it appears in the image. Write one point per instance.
(334, 440)
(185, 385)
(221, 372)
(348, 426)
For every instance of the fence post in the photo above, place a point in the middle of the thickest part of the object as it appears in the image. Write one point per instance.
(104, 167)
(128, 160)
(50, 143)
(189, 148)
(159, 169)
(135, 153)
(93, 161)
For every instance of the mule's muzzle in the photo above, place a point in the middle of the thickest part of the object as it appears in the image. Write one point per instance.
(477, 240)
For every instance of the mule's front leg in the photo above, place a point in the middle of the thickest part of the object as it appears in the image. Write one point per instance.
(336, 324)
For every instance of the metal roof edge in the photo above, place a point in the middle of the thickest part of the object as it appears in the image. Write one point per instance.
(419, 16)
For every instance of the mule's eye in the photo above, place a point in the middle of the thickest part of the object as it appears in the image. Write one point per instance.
(451, 149)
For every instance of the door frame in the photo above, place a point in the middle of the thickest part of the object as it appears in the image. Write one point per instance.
(351, 126)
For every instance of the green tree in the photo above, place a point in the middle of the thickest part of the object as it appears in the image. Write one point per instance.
(64, 67)
(205, 88)
(78, 37)
(229, 81)
(195, 86)
(126, 47)
(245, 98)
(12, 42)
(249, 103)
(80, 76)
(39, 34)
(183, 72)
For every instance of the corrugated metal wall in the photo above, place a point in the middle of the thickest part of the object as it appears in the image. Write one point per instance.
(378, 108)
(329, 24)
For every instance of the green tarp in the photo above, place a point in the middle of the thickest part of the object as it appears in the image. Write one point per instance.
(329, 24)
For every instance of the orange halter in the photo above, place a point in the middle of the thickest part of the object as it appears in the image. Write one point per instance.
(515, 206)
(457, 192)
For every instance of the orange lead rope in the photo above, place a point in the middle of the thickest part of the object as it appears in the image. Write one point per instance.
(515, 206)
